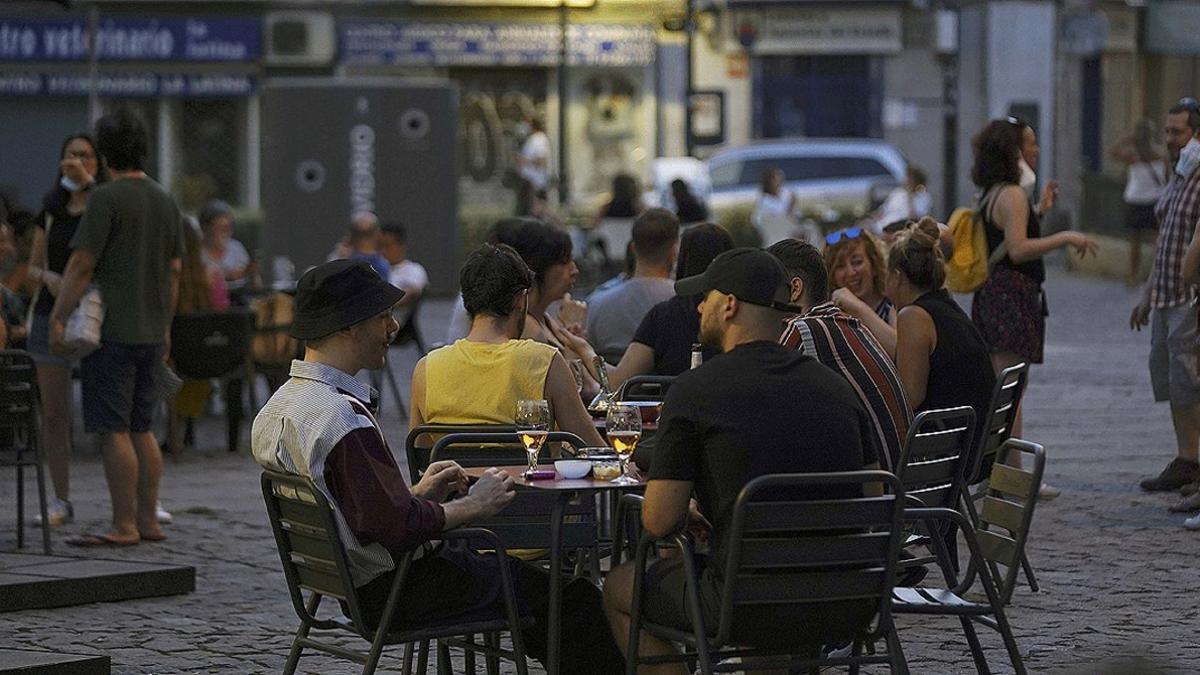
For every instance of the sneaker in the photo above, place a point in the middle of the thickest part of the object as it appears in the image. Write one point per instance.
(163, 515)
(1186, 505)
(1048, 492)
(1192, 523)
(58, 512)
(1178, 473)
(1190, 489)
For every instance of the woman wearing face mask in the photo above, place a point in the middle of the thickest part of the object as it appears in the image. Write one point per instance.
(1029, 159)
(1010, 308)
(80, 168)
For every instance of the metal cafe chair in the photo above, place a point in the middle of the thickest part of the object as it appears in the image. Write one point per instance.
(20, 429)
(216, 345)
(933, 462)
(997, 428)
(998, 539)
(645, 388)
(314, 560)
(418, 444)
(835, 558)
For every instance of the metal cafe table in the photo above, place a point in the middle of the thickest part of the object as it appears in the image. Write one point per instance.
(565, 489)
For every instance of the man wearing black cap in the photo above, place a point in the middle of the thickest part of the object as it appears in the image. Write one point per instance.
(320, 424)
(757, 408)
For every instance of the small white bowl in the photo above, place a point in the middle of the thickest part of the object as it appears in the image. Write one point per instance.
(572, 468)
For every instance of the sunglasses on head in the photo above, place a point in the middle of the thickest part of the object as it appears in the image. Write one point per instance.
(1189, 103)
(848, 233)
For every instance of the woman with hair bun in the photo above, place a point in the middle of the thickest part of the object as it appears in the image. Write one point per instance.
(941, 357)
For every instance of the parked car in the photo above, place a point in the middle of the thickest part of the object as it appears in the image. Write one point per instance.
(822, 172)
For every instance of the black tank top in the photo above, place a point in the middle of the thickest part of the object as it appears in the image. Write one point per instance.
(58, 244)
(960, 368)
(1034, 269)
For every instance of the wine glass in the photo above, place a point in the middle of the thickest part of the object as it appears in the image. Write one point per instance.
(577, 373)
(533, 423)
(624, 429)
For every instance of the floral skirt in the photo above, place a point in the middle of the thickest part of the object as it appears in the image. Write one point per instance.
(1010, 312)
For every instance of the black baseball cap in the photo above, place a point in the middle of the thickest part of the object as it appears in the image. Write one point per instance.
(749, 274)
(337, 295)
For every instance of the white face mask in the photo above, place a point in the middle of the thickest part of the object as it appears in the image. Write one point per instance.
(1189, 158)
(1028, 178)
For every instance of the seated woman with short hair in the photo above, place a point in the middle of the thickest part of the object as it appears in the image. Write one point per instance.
(480, 378)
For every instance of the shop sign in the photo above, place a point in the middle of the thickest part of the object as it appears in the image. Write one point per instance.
(196, 39)
(821, 31)
(493, 44)
(126, 85)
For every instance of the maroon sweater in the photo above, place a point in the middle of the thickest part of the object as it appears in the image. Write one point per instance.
(374, 497)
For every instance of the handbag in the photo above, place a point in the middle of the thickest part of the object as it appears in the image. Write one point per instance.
(82, 335)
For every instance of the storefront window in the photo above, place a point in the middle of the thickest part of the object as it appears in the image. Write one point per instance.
(210, 158)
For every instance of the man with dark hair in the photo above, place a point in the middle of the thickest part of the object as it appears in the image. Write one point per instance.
(756, 408)
(480, 378)
(407, 275)
(130, 243)
(842, 343)
(614, 315)
(1167, 306)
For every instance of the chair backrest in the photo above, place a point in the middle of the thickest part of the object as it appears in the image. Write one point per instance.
(211, 344)
(1002, 412)
(645, 388)
(18, 390)
(1006, 511)
(524, 523)
(418, 445)
(313, 557)
(935, 454)
(493, 448)
(784, 551)
(273, 316)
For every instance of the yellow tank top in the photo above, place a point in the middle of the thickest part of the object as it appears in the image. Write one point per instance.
(480, 383)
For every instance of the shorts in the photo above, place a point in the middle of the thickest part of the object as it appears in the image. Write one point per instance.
(1140, 217)
(1010, 312)
(119, 387)
(767, 625)
(1175, 355)
(38, 342)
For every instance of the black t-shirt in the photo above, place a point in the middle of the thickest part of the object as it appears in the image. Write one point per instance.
(759, 409)
(670, 328)
(58, 245)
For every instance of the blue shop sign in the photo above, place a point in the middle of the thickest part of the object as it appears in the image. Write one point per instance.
(132, 39)
(127, 85)
(493, 44)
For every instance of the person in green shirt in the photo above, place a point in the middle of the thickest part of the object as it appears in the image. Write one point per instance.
(130, 245)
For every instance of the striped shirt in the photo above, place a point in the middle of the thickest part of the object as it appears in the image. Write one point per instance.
(1178, 210)
(844, 345)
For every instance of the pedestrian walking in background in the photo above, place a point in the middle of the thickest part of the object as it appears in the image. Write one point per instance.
(1010, 308)
(1166, 306)
(1143, 186)
(130, 243)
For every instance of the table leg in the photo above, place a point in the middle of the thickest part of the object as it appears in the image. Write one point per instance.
(555, 613)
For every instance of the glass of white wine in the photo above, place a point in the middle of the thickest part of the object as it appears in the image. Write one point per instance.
(624, 429)
(533, 423)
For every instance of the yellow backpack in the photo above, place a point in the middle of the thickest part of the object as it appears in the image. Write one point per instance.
(969, 264)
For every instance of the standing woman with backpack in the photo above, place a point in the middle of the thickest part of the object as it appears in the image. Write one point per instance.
(1010, 308)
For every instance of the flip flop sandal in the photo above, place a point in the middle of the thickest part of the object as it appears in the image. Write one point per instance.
(99, 541)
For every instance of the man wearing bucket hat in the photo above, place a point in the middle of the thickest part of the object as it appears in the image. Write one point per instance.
(756, 408)
(320, 424)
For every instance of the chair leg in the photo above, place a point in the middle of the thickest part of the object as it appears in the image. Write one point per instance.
(469, 657)
(443, 659)
(1010, 642)
(41, 481)
(855, 651)
(408, 656)
(395, 387)
(981, 664)
(897, 663)
(1028, 568)
(20, 506)
(492, 663)
(374, 654)
(423, 657)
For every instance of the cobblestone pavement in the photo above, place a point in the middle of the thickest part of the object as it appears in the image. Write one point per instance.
(1118, 573)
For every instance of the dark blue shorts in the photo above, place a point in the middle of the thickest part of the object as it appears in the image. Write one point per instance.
(118, 387)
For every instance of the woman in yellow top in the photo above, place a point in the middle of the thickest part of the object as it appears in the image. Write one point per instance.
(480, 378)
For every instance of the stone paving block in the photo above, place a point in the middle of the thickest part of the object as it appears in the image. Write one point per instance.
(26, 662)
